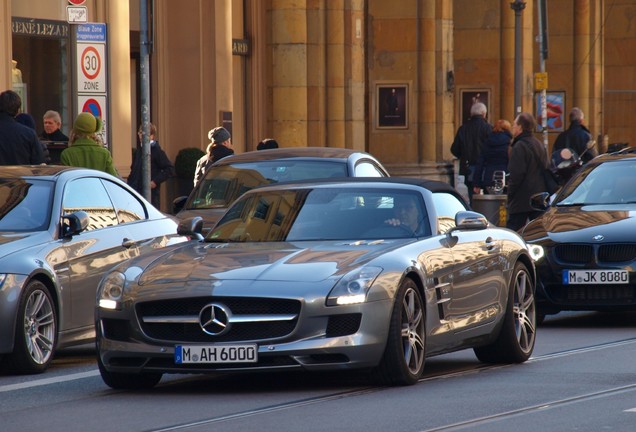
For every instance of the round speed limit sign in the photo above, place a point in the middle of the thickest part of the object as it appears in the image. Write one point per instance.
(91, 63)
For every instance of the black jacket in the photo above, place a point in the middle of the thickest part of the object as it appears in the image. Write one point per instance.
(214, 153)
(19, 145)
(528, 160)
(57, 136)
(468, 141)
(576, 138)
(161, 169)
(493, 157)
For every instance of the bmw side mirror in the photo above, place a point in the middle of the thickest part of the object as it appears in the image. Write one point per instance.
(540, 201)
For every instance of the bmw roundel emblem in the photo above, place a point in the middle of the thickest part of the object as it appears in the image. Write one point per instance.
(214, 319)
(598, 237)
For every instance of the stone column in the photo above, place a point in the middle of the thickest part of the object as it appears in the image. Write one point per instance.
(6, 54)
(507, 53)
(290, 84)
(116, 16)
(581, 67)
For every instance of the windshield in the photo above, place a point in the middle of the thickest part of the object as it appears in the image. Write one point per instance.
(323, 214)
(223, 184)
(612, 182)
(25, 205)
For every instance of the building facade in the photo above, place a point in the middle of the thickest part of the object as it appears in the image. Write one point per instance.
(392, 78)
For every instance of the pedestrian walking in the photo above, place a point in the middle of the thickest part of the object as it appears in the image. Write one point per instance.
(220, 146)
(19, 144)
(161, 168)
(493, 156)
(85, 147)
(469, 139)
(576, 137)
(527, 164)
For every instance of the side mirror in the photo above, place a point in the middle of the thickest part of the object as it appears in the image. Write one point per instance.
(540, 201)
(74, 223)
(178, 203)
(469, 221)
(191, 227)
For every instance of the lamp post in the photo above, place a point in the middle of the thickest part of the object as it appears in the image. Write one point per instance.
(518, 6)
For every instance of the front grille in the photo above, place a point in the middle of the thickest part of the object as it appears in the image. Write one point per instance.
(617, 253)
(583, 254)
(343, 325)
(115, 329)
(242, 331)
(263, 362)
(593, 295)
(574, 253)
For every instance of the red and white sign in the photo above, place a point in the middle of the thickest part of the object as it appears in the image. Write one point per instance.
(96, 105)
(77, 2)
(90, 68)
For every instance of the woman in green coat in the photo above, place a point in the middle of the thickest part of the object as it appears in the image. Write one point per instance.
(85, 148)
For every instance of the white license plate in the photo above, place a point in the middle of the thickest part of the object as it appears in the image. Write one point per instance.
(202, 354)
(595, 277)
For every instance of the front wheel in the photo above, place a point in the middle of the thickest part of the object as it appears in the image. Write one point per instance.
(124, 381)
(515, 341)
(403, 359)
(35, 332)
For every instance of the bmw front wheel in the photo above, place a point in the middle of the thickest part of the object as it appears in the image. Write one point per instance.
(36, 331)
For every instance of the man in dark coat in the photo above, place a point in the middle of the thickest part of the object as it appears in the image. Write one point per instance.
(576, 137)
(528, 161)
(19, 145)
(161, 168)
(470, 137)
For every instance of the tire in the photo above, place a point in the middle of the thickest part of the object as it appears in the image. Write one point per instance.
(124, 381)
(516, 338)
(403, 360)
(35, 332)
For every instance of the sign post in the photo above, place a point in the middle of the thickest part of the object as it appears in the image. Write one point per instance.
(92, 83)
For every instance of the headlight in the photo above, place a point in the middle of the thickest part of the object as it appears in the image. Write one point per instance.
(536, 252)
(111, 290)
(353, 287)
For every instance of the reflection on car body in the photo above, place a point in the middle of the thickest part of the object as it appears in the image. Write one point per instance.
(230, 177)
(313, 276)
(61, 228)
(588, 239)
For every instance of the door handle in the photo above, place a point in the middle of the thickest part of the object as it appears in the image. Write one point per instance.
(127, 243)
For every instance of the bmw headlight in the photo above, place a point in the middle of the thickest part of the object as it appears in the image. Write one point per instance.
(111, 291)
(353, 287)
(536, 252)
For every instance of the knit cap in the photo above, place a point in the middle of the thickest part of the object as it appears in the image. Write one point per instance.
(219, 135)
(87, 123)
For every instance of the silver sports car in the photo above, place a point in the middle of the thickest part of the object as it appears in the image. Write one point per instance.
(371, 274)
(61, 229)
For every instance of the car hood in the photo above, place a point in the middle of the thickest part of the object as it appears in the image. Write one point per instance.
(582, 224)
(12, 242)
(303, 261)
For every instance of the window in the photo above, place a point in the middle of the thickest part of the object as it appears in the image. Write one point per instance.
(90, 196)
(368, 169)
(128, 207)
(447, 207)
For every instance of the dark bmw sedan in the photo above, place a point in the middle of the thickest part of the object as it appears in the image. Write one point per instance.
(229, 177)
(588, 237)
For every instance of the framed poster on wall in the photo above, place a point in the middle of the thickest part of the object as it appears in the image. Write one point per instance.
(470, 96)
(555, 110)
(391, 106)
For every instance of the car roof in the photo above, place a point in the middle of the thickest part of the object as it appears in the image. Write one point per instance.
(293, 152)
(40, 171)
(431, 185)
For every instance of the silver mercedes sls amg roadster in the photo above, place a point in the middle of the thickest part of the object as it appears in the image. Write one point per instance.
(367, 274)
